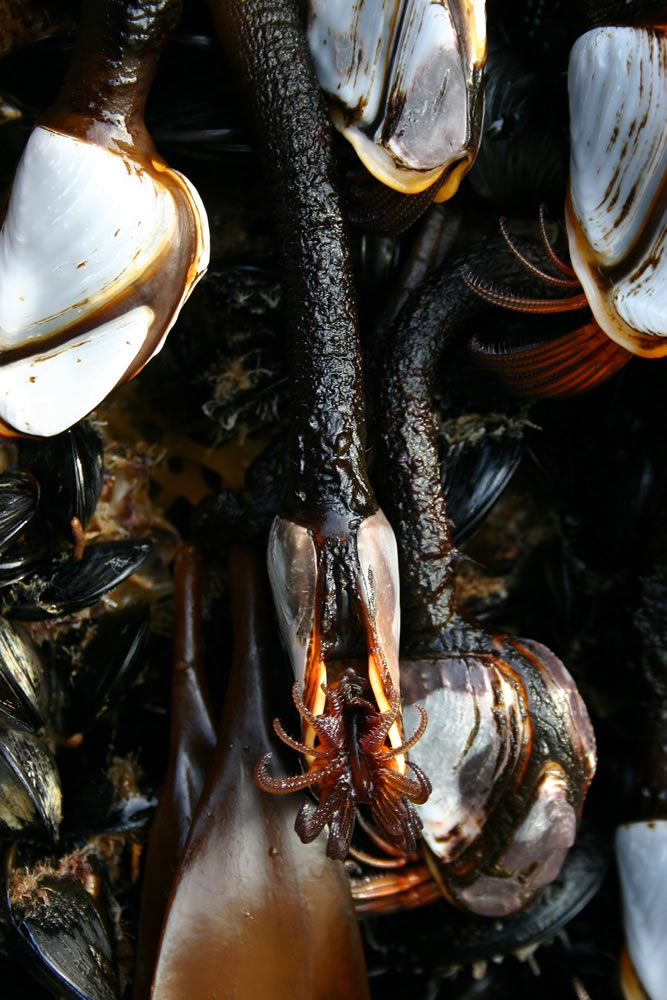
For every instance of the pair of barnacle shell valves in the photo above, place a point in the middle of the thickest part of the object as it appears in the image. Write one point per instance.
(102, 245)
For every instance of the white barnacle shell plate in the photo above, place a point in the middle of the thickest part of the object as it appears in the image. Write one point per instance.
(617, 207)
(296, 571)
(510, 751)
(404, 77)
(98, 253)
(641, 853)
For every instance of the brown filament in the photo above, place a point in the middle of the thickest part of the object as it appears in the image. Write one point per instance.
(517, 302)
(537, 271)
(79, 539)
(555, 258)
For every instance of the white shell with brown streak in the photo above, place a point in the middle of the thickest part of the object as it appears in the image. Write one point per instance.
(404, 77)
(98, 253)
(617, 202)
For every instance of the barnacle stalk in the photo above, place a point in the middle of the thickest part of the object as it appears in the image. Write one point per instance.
(332, 554)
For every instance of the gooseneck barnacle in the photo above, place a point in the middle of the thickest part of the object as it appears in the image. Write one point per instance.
(118, 239)
(509, 748)
(332, 554)
(615, 213)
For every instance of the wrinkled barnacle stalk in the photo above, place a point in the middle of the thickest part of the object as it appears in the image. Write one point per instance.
(509, 748)
(102, 242)
(332, 553)
(615, 214)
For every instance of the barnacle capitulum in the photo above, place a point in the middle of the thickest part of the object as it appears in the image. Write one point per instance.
(616, 212)
(405, 79)
(97, 255)
(347, 668)
(102, 242)
(511, 753)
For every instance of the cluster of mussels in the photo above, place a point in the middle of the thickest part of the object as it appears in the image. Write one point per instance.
(432, 476)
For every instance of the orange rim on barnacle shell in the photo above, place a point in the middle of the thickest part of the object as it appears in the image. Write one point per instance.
(616, 209)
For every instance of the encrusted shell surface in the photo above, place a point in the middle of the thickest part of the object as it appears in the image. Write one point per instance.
(617, 204)
(97, 255)
(405, 80)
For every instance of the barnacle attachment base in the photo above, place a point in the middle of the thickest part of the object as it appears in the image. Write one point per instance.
(336, 593)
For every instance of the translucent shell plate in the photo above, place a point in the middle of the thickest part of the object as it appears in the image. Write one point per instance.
(405, 81)
(298, 570)
(617, 201)
(98, 253)
(510, 752)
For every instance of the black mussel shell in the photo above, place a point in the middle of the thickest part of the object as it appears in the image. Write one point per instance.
(105, 789)
(70, 469)
(30, 797)
(193, 110)
(244, 515)
(25, 686)
(522, 160)
(26, 553)
(63, 586)
(440, 938)
(19, 497)
(61, 933)
(110, 650)
(477, 463)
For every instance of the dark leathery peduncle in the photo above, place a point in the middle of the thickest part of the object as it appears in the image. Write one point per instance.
(415, 504)
(265, 42)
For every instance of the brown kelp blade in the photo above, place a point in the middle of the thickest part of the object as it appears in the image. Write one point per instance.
(192, 742)
(253, 911)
